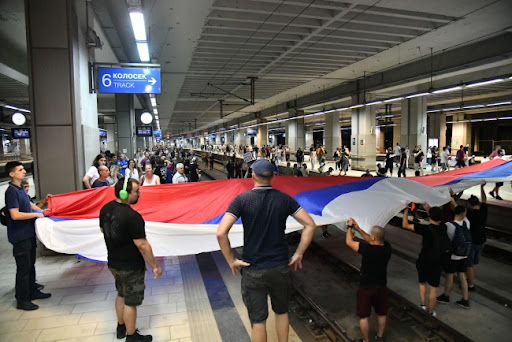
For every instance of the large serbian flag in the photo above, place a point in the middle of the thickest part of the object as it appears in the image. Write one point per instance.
(182, 218)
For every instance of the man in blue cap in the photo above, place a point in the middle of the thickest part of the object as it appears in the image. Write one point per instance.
(265, 262)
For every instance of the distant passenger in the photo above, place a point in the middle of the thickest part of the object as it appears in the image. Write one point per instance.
(149, 178)
(456, 229)
(460, 157)
(92, 174)
(381, 171)
(103, 180)
(265, 262)
(444, 159)
(132, 170)
(389, 162)
(367, 173)
(429, 259)
(122, 164)
(194, 171)
(372, 291)
(495, 192)
(477, 216)
(403, 162)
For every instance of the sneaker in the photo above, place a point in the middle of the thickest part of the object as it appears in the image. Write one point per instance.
(423, 307)
(471, 288)
(121, 331)
(39, 286)
(491, 193)
(138, 337)
(464, 303)
(499, 198)
(27, 306)
(326, 235)
(433, 314)
(379, 339)
(39, 295)
(443, 299)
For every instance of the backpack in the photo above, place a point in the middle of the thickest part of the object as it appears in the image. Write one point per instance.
(461, 243)
(3, 216)
(458, 155)
(441, 241)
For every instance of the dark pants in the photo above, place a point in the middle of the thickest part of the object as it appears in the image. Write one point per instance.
(401, 171)
(25, 254)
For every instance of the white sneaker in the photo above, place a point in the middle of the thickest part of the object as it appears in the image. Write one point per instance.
(424, 307)
(433, 313)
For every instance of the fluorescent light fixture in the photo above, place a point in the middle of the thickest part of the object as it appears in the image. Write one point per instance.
(143, 51)
(440, 91)
(433, 110)
(155, 111)
(152, 95)
(499, 103)
(452, 122)
(451, 108)
(394, 99)
(497, 80)
(491, 119)
(342, 108)
(477, 120)
(473, 106)
(506, 118)
(416, 95)
(153, 102)
(157, 117)
(356, 106)
(464, 121)
(373, 103)
(139, 28)
(15, 108)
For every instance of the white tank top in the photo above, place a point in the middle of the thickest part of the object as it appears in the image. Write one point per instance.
(148, 183)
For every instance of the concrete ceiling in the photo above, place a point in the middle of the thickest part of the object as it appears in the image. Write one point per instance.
(298, 49)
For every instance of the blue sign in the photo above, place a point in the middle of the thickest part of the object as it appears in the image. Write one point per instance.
(129, 80)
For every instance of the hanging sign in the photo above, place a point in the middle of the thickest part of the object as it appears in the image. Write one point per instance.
(129, 80)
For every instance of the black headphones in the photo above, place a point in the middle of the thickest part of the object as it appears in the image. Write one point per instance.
(123, 194)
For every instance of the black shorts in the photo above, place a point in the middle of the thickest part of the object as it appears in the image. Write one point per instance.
(130, 285)
(376, 297)
(257, 285)
(428, 272)
(456, 266)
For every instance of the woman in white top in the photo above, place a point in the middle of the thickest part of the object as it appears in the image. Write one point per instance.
(149, 178)
(93, 174)
(132, 170)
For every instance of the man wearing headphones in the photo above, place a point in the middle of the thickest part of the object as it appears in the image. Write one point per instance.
(127, 247)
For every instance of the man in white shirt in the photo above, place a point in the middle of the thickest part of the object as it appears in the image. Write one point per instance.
(179, 176)
(397, 154)
(457, 263)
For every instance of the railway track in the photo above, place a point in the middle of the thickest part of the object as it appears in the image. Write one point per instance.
(402, 312)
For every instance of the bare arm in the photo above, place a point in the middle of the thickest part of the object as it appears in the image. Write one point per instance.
(86, 180)
(17, 215)
(157, 180)
(147, 253)
(483, 196)
(366, 236)
(349, 240)
(307, 235)
(225, 246)
(405, 220)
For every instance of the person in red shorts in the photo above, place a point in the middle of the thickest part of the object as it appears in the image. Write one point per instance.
(372, 289)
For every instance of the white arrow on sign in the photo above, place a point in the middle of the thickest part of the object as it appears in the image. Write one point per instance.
(152, 81)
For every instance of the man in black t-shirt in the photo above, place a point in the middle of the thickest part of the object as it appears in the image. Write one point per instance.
(429, 260)
(403, 163)
(265, 260)
(477, 216)
(127, 247)
(372, 286)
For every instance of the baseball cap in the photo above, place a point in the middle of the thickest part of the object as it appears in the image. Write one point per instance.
(261, 166)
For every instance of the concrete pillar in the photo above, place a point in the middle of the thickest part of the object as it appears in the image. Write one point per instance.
(363, 137)
(295, 133)
(397, 134)
(437, 128)
(380, 141)
(65, 114)
(461, 132)
(414, 124)
(24, 147)
(332, 133)
(262, 135)
(126, 124)
(308, 138)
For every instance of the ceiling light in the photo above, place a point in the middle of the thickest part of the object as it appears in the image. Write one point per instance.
(440, 91)
(497, 80)
(491, 119)
(143, 51)
(155, 111)
(499, 103)
(373, 103)
(157, 118)
(416, 95)
(433, 110)
(139, 28)
(356, 106)
(153, 102)
(393, 99)
(342, 108)
(474, 106)
(451, 108)
(505, 117)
